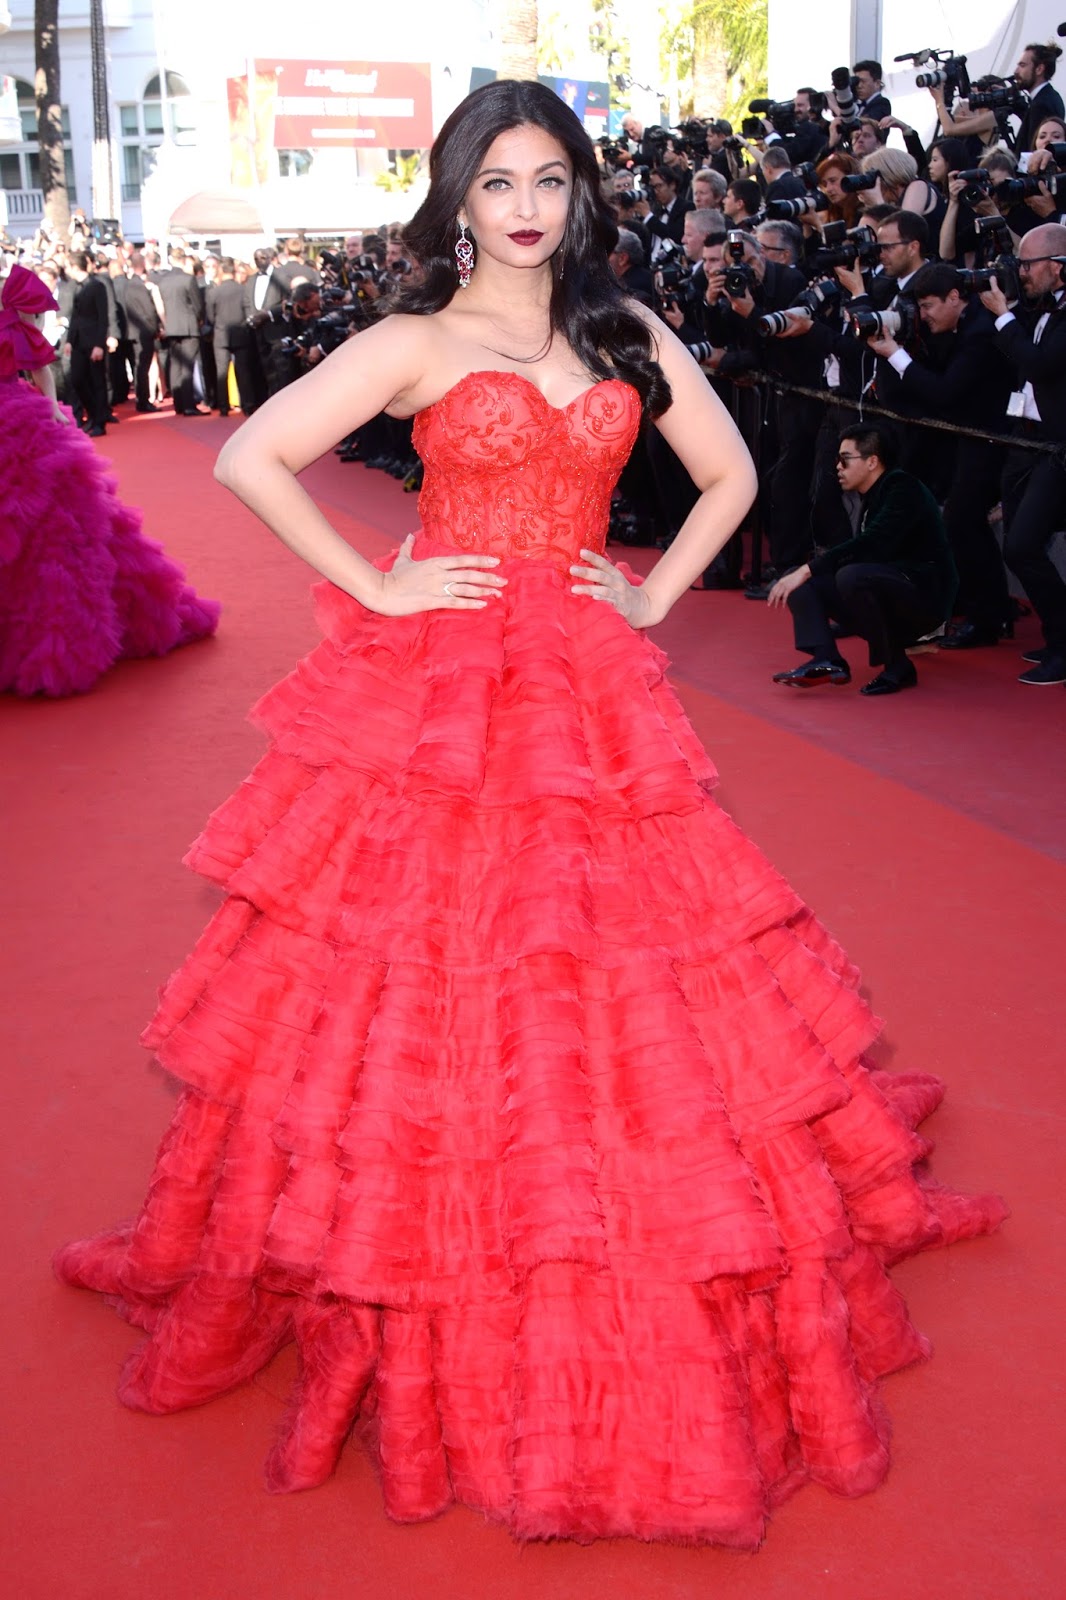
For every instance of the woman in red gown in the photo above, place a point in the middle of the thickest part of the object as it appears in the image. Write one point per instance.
(520, 1090)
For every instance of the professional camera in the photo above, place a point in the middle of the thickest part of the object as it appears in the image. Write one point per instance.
(105, 230)
(848, 247)
(739, 274)
(855, 182)
(790, 210)
(975, 280)
(820, 296)
(978, 181)
(1011, 190)
(673, 274)
(992, 232)
(900, 323)
(691, 136)
(950, 75)
(780, 113)
(1001, 95)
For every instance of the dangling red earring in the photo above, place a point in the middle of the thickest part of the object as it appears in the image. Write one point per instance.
(464, 256)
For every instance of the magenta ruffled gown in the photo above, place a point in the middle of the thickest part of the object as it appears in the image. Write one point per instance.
(520, 1091)
(80, 585)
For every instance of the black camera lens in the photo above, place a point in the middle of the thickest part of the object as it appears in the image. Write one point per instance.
(854, 182)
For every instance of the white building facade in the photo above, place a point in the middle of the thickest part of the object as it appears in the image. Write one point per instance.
(174, 68)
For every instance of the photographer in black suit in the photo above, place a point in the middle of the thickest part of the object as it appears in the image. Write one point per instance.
(1034, 72)
(962, 377)
(891, 584)
(86, 344)
(667, 220)
(1033, 338)
(183, 314)
(871, 100)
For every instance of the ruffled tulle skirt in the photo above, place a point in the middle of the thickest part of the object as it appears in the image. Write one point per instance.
(80, 585)
(527, 1098)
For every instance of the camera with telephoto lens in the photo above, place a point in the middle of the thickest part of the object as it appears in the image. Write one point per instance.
(791, 210)
(950, 75)
(691, 136)
(1011, 190)
(901, 322)
(781, 114)
(844, 86)
(992, 232)
(819, 296)
(856, 182)
(857, 247)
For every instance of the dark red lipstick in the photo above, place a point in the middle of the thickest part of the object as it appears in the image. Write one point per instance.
(528, 236)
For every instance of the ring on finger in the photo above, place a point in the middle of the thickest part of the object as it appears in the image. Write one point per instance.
(448, 591)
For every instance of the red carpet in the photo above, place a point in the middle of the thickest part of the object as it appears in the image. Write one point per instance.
(926, 830)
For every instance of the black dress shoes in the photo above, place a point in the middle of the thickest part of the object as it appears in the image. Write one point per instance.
(1036, 658)
(891, 682)
(1051, 670)
(970, 636)
(811, 674)
(145, 409)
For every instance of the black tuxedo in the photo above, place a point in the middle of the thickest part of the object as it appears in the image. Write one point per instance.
(892, 583)
(232, 338)
(143, 319)
(1046, 102)
(668, 224)
(1034, 486)
(966, 379)
(289, 271)
(182, 315)
(263, 375)
(88, 331)
(787, 187)
(807, 141)
(878, 106)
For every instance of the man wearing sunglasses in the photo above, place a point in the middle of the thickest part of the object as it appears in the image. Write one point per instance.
(891, 584)
(1033, 337)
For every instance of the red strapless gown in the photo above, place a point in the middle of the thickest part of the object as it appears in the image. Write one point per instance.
(521, 1091)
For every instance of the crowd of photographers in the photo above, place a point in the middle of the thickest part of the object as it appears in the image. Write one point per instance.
(206, 330)
(826, 267)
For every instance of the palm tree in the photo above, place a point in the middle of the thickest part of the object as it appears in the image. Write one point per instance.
(725, 43)
(50, 116)
(516, 26)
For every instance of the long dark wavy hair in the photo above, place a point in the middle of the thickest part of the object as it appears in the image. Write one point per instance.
(588, 308)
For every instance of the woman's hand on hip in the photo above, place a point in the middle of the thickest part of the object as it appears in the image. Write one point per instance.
(603, 581)
(440, 583)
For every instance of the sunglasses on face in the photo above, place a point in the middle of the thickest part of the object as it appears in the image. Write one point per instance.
(844, 457)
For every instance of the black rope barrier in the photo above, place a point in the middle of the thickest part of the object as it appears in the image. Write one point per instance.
(829, 397)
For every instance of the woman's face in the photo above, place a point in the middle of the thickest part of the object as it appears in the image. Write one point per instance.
(1050, 131)
(831, 186)
(517, 205)
(938, 167)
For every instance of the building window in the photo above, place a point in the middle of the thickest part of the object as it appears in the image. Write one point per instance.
(20, 165)
(140, 129)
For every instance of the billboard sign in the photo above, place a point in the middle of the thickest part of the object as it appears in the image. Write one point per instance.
(321, 104)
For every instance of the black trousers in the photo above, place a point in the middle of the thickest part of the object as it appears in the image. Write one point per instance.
(89, 381)
(118, 372)
(180, 355)
(221, 353)
(878, 602)
(143, 351)
(797, 424)
(1034, 509)
(975, 488)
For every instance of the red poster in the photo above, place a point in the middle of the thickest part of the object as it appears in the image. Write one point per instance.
(373, 104)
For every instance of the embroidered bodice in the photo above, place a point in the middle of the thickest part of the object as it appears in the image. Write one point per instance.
(510, 475)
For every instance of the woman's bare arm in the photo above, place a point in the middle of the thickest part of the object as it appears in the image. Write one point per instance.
(701, 433)
(261, 461)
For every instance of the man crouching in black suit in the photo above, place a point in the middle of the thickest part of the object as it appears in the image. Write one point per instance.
(891, 584)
